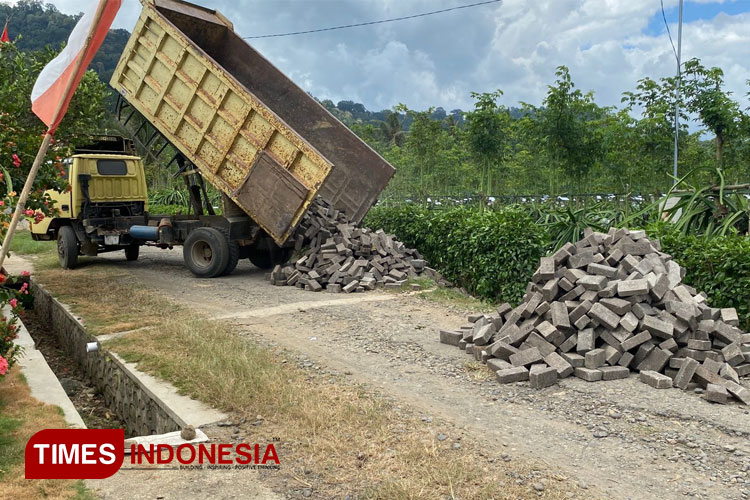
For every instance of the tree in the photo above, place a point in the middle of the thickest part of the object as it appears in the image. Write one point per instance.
(486, 129)
(569, 122)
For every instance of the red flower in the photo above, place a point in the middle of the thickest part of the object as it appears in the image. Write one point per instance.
(2, 278)
(29, 212)
(16, 160)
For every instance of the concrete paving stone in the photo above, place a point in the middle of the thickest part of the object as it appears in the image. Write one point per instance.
(705, 377)
(546, 268)
(635, 341)
(588, 374)
(593, 282)
(699, 345)
(501, 350)
(509, 375)
(728, 372)
(716, 393)
(655, 379)
(483, 334)
(616, 305)
(612, 355)
(602, 270)
(595, 358)
(626, 359)
(657, 327)
(740, 393)
(656, 360)
(450, 337)
(614, 372)
(469, 348)
(743, 370)
(582, 322)
(496, 364)
(629, 321)
(604, 315)
(536, 340)
(643, 351)
(581, 259)
(575, 359)
(526, 357)
(586, 341)
(564, 369)
(669, 345)
(733, 354)
(632, 287)
(541, 376)
(569, 343)
(726, 333)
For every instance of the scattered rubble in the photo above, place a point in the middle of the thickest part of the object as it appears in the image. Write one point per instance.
(604, 306)
(342, 257)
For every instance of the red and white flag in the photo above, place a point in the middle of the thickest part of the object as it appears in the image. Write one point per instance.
(49, 99)
(4, 38)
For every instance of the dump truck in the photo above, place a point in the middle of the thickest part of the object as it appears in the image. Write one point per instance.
(236, 122)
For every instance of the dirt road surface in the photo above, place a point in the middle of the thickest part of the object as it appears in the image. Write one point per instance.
(625, 438)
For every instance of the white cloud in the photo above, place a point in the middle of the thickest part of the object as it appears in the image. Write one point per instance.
(515, 46)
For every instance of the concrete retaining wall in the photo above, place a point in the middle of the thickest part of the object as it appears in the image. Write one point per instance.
(124, 393)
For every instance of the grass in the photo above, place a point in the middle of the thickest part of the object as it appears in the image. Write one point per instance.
(23, 244)
(21, 416)
(456, 299)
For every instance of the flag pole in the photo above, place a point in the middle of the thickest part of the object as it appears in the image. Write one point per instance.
(21, 205)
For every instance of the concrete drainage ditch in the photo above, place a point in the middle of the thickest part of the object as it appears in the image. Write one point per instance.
(141, 403)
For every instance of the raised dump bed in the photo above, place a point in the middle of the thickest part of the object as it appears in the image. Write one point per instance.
(251, 131)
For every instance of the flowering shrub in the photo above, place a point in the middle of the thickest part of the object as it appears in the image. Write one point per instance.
(21, 134)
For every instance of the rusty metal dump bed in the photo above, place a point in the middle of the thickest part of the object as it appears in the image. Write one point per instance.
(252, 132)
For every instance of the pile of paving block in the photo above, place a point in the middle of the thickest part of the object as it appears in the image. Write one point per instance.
(342, 257)
(604, 306)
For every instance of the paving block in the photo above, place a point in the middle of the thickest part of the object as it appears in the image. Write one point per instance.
(496, 364)
(483, 334)
(612, 355)
(655, 379)
(536, 340)
(617, 306)
(699, 345)
(450, 337)
(526, 357)
(595, 358)
(669, 345)
(727, 372)
(727, 333)
(629, 321)
(633, 287)
(501, 349)
(546, 268)
(705, 377)
(716, 393)
(588, 374)
(581, 259)
(586, 340)
(642, 353)
(733, 354)
(593, 282)
(614, 372)
(602, 270)
(740, 393)
(575, 359)
(509, 375)
(656, 360)
(605, 316)
(559, 314)
(626, 359)
(541, 376)
(743, 370)
(635, 341)
(564, 369)
(729, 316)
(685, 373)
(569, 343)
(657, 327)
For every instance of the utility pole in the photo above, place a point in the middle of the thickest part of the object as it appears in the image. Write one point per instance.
(677, 95)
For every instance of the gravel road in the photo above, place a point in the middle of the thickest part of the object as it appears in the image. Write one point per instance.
(625, 438)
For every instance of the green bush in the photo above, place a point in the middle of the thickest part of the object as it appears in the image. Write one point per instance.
(492, 254)
(157, 209)
(718, 265)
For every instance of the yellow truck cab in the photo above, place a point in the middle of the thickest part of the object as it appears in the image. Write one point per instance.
(106, 181)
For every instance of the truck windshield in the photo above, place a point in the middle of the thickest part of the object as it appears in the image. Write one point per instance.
(111, 167)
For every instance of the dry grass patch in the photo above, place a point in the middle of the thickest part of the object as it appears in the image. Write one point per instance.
(21, 416)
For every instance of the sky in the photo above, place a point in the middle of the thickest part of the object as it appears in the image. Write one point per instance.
(513, 45)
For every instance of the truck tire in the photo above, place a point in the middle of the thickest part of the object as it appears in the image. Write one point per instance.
(234, 254)
(266, 254)
(67, 247)
(206, 252)
(132, 251)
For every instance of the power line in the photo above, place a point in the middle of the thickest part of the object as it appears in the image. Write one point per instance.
(664, 16)
(375, 22)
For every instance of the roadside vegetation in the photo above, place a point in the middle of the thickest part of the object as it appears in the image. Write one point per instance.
(21, 416)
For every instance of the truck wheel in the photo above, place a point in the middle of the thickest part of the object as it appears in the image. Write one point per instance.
(206, 252)
(67, 247)
(234, 254)
(132, 251)
(266, 254)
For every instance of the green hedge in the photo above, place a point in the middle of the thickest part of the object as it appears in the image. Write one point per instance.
(491, 254)
(719, 266)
